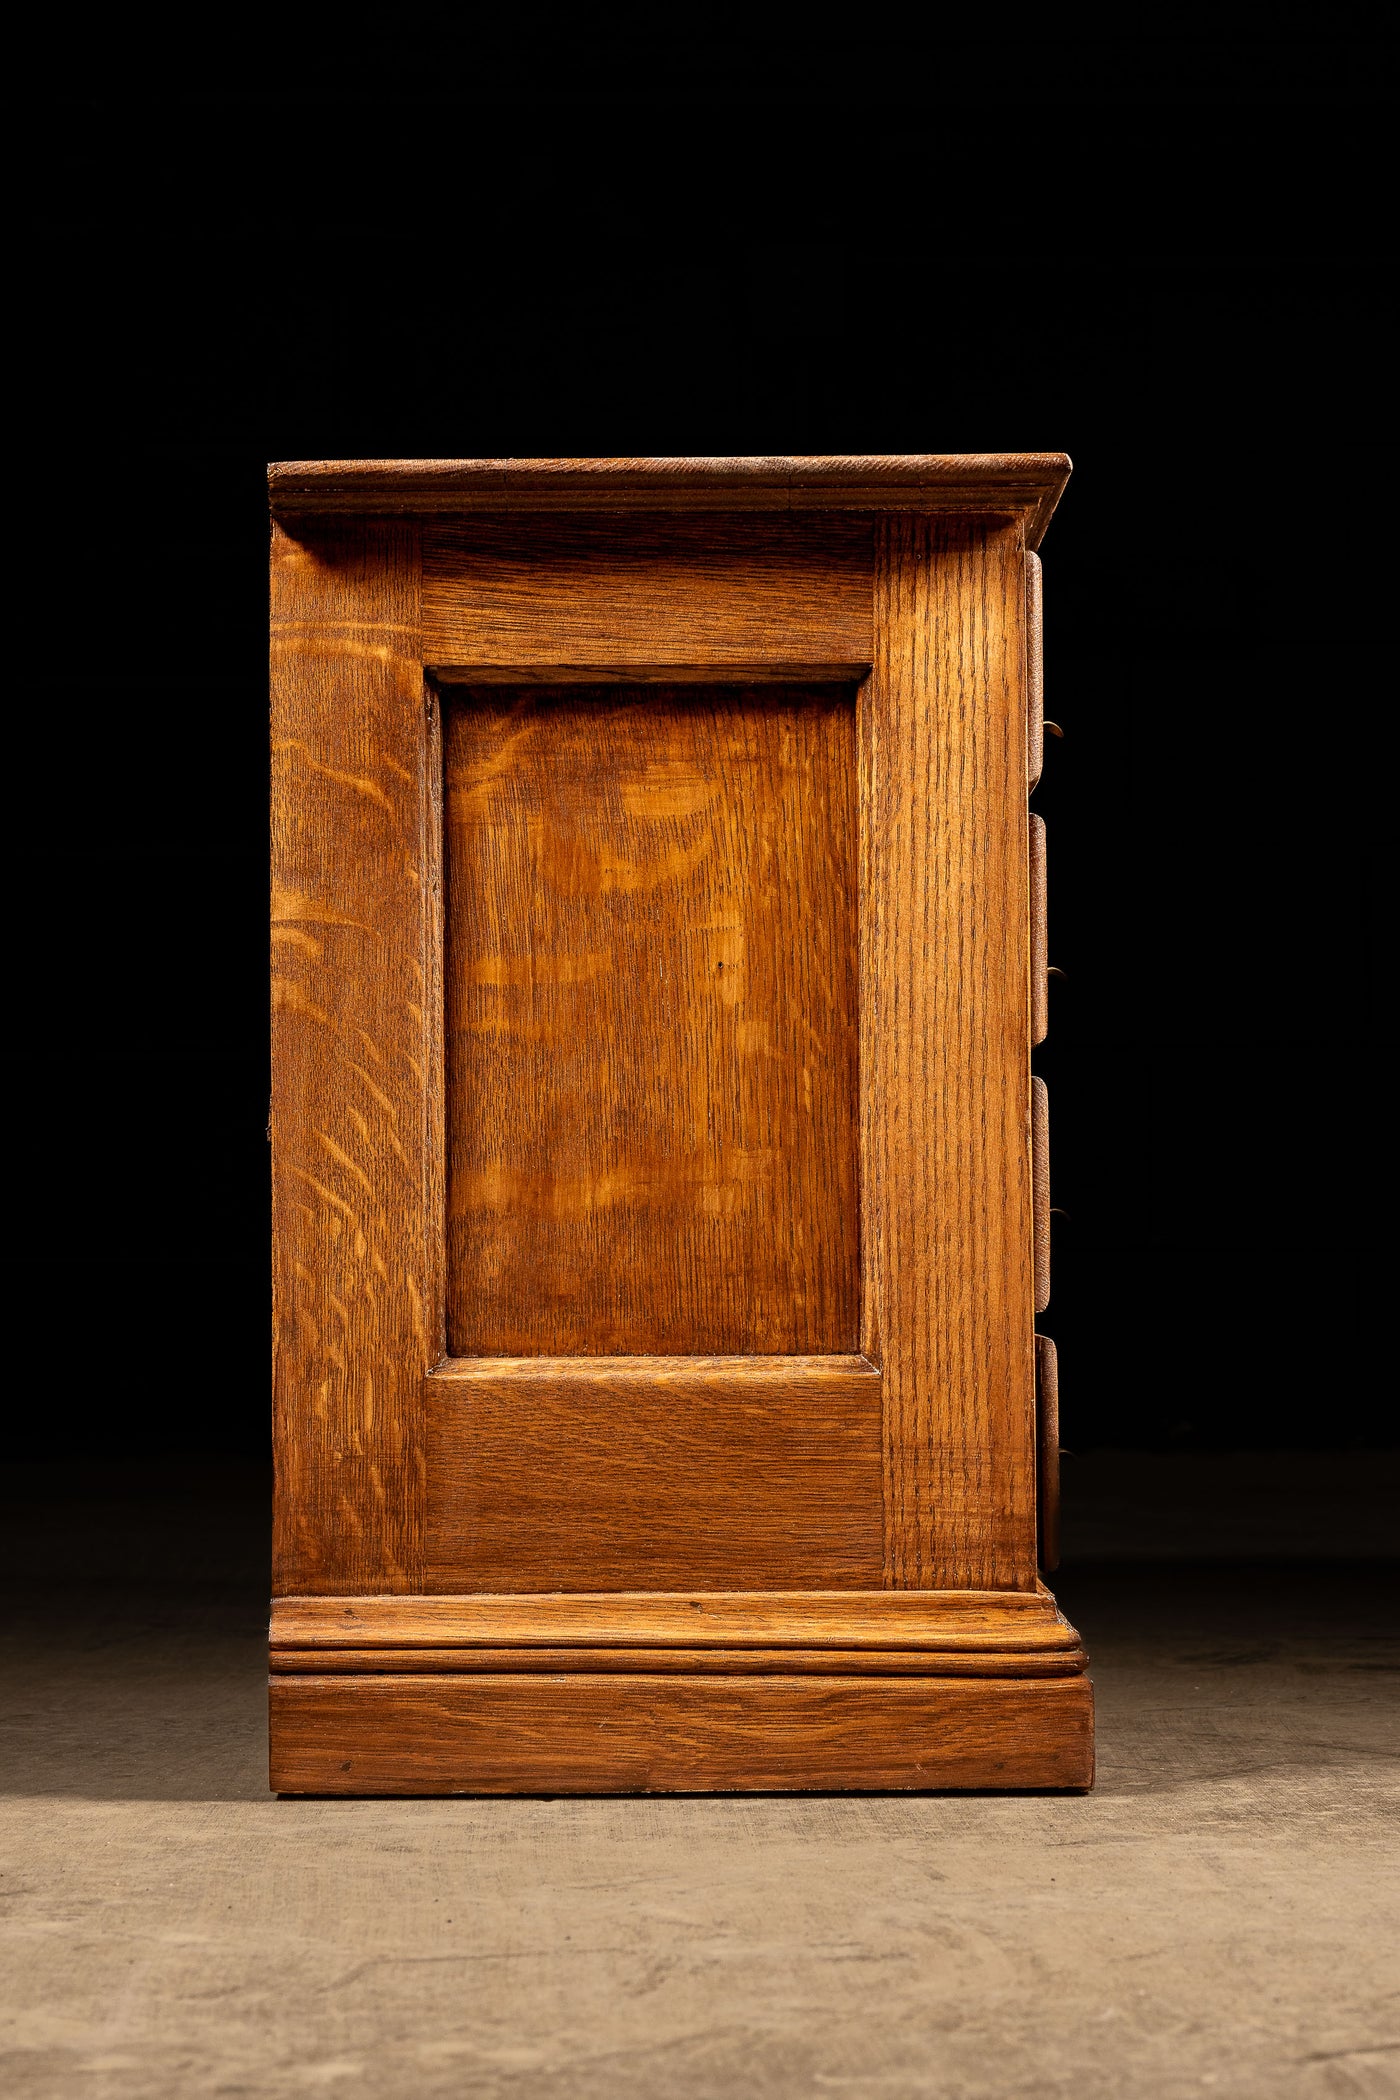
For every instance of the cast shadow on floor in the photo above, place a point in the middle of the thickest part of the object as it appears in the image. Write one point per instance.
(136, 1657)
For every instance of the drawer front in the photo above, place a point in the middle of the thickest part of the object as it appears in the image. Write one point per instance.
(1047, 1396)
(1040, 1188)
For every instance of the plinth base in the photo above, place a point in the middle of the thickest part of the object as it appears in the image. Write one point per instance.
(653, 1694)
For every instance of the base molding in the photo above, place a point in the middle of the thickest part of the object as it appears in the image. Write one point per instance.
(713, 1692)
(773, 1623)
(612, 1734)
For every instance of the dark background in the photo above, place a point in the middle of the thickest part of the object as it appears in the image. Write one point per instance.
(1161, 255)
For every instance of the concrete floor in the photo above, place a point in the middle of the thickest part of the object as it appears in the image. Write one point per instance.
(1218, 1918)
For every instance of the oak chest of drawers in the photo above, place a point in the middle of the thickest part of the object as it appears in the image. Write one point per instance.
(660, 1214)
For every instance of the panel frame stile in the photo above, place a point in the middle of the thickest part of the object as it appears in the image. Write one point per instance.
(945, 1051)
(356, 1301)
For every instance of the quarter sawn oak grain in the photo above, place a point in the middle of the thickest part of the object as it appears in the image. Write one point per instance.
(651, 1021)
(350, 1057)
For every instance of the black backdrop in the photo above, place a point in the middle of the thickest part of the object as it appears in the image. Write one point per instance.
(1162, 258)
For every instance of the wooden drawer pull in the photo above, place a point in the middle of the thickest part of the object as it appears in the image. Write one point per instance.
(1040, 1189)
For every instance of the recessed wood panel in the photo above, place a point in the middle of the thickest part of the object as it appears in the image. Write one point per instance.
(650, 1473)
(651, 1021)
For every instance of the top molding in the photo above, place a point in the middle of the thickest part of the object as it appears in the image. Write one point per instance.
(1024, 485)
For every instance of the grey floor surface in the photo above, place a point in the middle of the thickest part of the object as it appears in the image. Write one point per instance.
(1219, 1917)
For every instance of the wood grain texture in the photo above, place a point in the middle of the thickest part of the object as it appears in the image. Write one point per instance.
(1040, 933)
(1035, 670)
(647, 592)
(636, 1473)
(596, 1733)
(999, 1622)
(698, 1063)
(1047, 1384)
(1020, 486)
(350, 1062)
(758, 670)
(651, 1014)
(945, 1053)
(728, 1662)
(1040, 1176)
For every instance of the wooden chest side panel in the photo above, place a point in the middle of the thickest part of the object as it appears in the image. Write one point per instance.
(647, 1474)
(351, 1058)
(682, 590)
(945, 1060)
(651, 1021)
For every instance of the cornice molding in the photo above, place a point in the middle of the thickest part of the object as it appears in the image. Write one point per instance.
(1024, 485)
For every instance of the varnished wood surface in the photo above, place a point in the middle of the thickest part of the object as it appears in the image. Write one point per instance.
(1023, 486)
(945, 1052)
(641, 593)
(351, 1057)
(1035, 670)
(1040, 1156)
(549, 1473)
(750, 1662)
(1040, 937)
(1047, 1379)
(846, 1118)
(651, 1021)
(597, 1733)
(988, 1621)
(745, 670)
(819, 1376)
